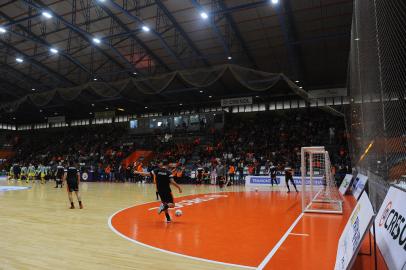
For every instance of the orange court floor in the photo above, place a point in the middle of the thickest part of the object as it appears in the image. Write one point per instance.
(119, 228)
(254, 230)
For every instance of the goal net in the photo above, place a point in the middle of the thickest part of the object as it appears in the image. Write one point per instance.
(319, 191)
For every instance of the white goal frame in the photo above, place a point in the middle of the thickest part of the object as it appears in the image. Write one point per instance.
(307, 205)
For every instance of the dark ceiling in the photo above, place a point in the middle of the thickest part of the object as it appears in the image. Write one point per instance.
(307, 40)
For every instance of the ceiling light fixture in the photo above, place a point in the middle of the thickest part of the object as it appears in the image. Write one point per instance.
(19, 60)
(229, 58)
(96, 40)
(274, 2)
(145, 28)
(2, 30)
(33, 89)
(47, 14)
(204, 15)
(53, 50)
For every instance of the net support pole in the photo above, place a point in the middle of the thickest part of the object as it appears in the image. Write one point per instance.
(303, 175)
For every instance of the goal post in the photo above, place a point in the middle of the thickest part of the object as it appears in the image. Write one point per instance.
(319, 191)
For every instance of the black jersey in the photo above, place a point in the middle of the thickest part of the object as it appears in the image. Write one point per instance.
(200, 170)
(288, 172)
(272, 171)
(163, 179)
(72, 173)
(59, 172)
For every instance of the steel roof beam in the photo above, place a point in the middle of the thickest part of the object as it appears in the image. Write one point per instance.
(21, 76)
(214, 27)
(182, 32)
(13, 22)
(39, 65)
(85, 35)
(34, 38)
(237, 33)
(140, 42)
(285, 18)
(140, 21)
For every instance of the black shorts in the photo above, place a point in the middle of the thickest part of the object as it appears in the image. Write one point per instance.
(166, 196)
(72, 186)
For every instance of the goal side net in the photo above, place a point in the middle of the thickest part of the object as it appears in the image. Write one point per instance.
(319, 191)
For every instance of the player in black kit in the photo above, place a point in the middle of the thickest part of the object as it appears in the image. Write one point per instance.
(289, 176)
(272, 174)
(199, 174)
(59, 175)
(72, 179)
(164, 179)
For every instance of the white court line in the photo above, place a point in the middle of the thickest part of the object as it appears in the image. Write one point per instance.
(279, 244)
(167, 251)
(299, 234)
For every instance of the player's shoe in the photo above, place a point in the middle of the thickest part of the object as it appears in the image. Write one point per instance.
(161, 208)
(72, 207)
(80, 205)
(168, 220)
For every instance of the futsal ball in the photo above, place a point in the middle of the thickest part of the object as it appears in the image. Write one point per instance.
(178, 213)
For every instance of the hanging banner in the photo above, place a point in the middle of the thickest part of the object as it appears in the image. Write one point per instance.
(56, 119)
(359, 185)
(236, 101)
(345, 184)
(354, 232)
(105, 114)
(390, 228)
(331, 92)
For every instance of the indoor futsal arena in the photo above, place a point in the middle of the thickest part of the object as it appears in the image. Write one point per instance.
(202, 134)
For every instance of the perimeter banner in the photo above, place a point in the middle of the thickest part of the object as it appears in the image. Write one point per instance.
(390, 228)
(345, 184)
(359, 185)
(251, 180)
(356, 228)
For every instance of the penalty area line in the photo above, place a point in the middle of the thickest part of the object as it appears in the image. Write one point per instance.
(299, 234)
(279, 244)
